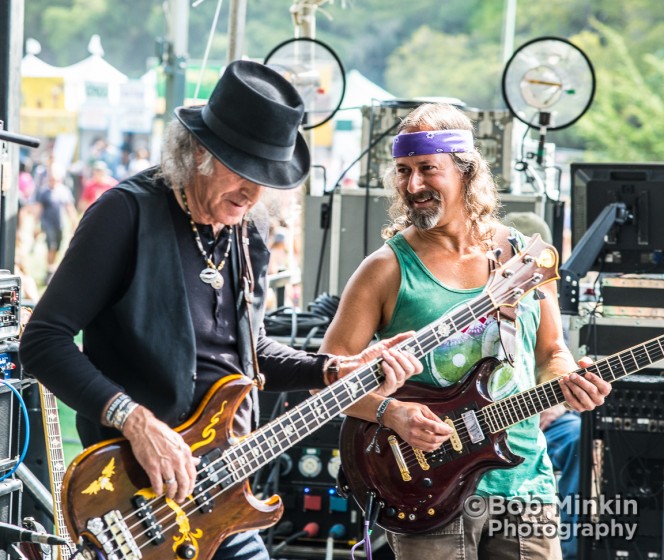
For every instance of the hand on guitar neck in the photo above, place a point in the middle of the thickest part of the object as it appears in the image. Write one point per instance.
(421, 428)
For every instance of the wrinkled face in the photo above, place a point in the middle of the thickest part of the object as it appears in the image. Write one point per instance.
(223, 197)
(432, 188)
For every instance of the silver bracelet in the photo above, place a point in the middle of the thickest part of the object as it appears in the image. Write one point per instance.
(122, 414)
(114, 406)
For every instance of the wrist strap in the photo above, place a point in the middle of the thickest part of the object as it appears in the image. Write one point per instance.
(382, 407)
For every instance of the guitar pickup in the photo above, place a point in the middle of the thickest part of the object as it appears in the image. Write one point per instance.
(473, 426)
(209, 474)
(455, 440)
(144, 513)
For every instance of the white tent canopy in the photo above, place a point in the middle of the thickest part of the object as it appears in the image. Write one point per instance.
(34, 67)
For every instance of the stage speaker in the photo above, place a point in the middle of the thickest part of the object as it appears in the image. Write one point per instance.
(305, 478)
(622, 473)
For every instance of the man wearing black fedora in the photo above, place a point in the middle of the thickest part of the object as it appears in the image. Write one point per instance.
(165, 276)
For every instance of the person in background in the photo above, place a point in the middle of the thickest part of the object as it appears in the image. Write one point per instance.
(55, 205)
(98, 184)
(166, 276)
(435, 259)
(140, 161)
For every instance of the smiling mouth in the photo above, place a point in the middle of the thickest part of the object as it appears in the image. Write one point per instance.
(422, 198)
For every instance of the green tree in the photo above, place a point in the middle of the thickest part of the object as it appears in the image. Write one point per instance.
(624, 123)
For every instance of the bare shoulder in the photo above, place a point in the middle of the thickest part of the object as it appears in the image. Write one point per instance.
(377, 271)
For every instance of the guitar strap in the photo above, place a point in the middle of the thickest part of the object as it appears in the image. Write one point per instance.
(505, 314)
(247, 275)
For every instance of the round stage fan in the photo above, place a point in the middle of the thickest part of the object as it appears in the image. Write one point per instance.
(317, 74)
(548, 82)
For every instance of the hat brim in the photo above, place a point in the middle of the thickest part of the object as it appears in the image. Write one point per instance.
(269, 173)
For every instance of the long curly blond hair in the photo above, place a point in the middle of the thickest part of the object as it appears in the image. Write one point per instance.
(480, 195)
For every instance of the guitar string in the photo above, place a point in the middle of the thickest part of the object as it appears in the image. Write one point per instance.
(502, 279)
(224, 479)
(196, 507)
(640, 362)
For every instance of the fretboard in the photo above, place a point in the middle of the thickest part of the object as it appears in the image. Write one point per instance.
(515, 408)
(57, 466)
(271, 440)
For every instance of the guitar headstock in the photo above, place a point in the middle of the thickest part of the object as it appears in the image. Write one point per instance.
(535, 265)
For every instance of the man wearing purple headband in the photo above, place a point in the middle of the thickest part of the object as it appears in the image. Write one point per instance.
(434, 260)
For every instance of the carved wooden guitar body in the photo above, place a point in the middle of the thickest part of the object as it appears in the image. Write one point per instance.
(419, 491)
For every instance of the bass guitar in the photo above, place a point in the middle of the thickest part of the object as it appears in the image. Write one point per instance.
(418, 491)
(108, 501)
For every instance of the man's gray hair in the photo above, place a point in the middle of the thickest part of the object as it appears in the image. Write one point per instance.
(178, 157)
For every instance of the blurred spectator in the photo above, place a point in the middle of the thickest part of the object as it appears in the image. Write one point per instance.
(54, 203)
(103, 151)
(100, 182)
(140, 161)
(26, 183)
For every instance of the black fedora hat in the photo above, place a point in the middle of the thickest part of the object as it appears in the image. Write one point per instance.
(250, 124)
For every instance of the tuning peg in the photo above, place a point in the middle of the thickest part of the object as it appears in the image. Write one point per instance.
(538, 294)
(494, 254)
(513, 241)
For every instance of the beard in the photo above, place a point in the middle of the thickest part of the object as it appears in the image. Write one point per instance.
(424, 218)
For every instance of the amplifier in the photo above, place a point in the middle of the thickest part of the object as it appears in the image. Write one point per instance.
(622, 470)
(305, 478)
(10, 507)
(632, 297)
(10, 305)
(597, 336)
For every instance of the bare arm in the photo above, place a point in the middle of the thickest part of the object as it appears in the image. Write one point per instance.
(366, 305)
(554, 359)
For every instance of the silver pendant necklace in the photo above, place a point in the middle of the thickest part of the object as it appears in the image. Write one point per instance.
(212, 273)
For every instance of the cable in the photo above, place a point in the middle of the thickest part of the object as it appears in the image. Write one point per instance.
(24, 408)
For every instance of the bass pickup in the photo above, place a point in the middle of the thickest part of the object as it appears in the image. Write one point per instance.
(210, 473)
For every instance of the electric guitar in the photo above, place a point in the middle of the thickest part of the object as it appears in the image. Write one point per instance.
(419, 491)
(56, 461)
(107, 497)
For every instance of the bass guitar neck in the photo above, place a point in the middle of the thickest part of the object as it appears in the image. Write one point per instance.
(57, 467)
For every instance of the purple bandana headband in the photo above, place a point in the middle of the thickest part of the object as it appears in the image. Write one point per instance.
(432, 142)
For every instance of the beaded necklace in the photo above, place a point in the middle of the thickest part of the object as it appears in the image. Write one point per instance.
(212, 274)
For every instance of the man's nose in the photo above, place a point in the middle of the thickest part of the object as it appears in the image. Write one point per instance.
(415, 182)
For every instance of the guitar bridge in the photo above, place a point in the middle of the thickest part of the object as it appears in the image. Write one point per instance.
(403, 468)
(114, 536)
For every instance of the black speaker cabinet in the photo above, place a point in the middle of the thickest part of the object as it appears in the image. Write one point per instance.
(10, 507)
(622, 472)
(305, 478)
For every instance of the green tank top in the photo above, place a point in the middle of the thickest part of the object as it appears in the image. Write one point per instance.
(422, 299)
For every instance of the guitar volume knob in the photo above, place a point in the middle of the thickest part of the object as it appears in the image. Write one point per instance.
(186, 551)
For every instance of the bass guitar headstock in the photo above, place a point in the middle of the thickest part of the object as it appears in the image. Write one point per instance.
(535, 265)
